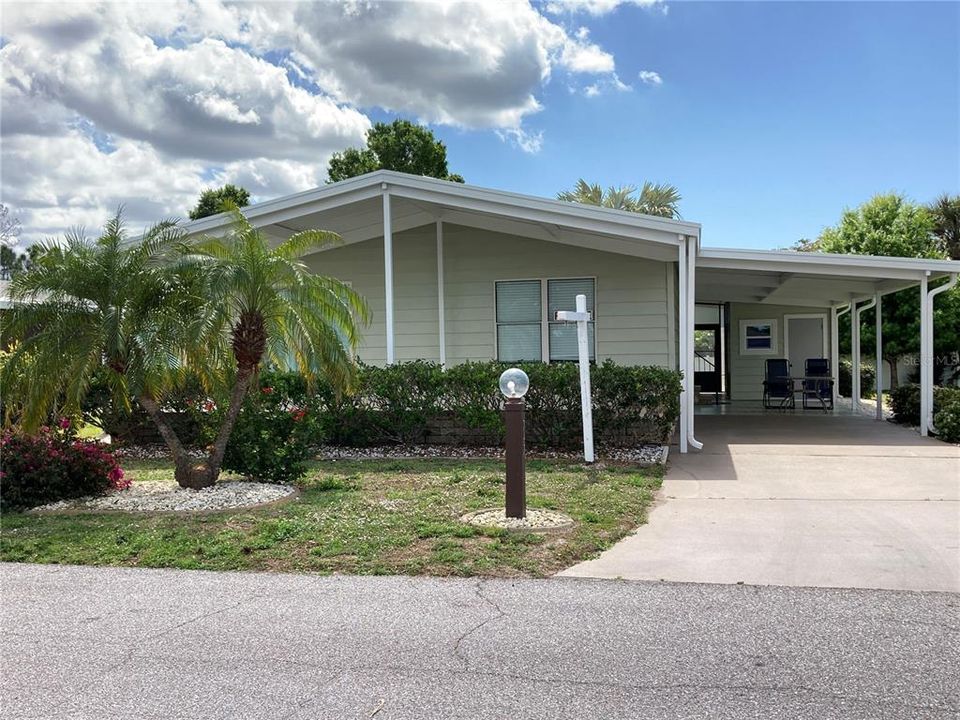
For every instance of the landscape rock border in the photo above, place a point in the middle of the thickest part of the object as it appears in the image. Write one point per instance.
(537, 520)
(167, 498)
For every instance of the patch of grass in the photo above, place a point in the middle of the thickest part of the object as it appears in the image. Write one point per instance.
(364, 517)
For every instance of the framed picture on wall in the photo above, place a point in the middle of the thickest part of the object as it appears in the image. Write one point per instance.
(758, 337)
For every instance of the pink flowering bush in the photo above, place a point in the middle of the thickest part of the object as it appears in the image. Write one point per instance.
(54, 465)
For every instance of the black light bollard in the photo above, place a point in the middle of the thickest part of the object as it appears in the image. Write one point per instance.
(514, 384)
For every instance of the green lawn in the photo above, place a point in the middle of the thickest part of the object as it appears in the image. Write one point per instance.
(365, 517)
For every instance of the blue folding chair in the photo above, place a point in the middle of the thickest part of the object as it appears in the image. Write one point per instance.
(814, 390)
(777, 385)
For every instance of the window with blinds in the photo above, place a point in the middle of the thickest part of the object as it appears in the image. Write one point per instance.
(562, 295)
(523, 321)
(519, 321)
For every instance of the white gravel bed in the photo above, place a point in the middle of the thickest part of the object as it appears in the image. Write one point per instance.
(152, 452)
(648, 454)
(535, 520)
(165, 497)
(640, 454)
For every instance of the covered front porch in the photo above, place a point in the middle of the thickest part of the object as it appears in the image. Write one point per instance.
(784, 308)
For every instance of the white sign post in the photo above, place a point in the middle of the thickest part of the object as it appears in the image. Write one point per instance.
(582, 318)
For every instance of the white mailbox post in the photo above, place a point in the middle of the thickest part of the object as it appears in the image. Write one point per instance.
(582, 318)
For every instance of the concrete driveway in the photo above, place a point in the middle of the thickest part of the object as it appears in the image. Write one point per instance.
(803, 500)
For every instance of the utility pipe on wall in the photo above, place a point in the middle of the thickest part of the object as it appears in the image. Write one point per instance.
(951, 283)
(925, 375)
(855, 348)
(836, 312)
(691, 245)
(878, 302)
(685, 387)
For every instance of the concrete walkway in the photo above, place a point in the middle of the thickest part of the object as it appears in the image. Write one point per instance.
(803, 500)
(164, 644)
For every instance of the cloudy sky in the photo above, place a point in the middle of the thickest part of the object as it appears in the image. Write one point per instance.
(769, 117)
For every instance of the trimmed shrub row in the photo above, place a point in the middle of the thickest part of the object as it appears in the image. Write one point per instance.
(946, 408)
(419, 402)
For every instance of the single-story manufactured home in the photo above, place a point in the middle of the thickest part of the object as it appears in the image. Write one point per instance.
(454, 272)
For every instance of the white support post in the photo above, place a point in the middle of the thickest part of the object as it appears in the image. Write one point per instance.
(441, 312)
(855, 370)
(691, 345)
(854, 358)
(835, 314)
(685, 387)
(878, 302)
(925, 361)
(951, 283)
(388, 275)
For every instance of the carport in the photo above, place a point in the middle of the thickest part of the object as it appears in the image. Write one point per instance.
(770, 298)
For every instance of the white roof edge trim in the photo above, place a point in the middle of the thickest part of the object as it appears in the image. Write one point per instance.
(813, 258)
(452, 191)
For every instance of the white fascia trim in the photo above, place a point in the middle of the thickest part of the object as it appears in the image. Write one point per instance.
(453, 195)
(462, 195)
(879, 266)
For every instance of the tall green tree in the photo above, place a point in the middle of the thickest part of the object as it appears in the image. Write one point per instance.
(946, 223)
(401, 146)
(13, 262)
(660, 199)
(891, 225)
(265, 304)
(218, 200)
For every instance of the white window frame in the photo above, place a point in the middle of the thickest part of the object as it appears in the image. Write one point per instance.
(545, 321)
(774, 337)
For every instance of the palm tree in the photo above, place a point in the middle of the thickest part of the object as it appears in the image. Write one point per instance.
(946, 223)
(149, 313)
(657, 199)
(265, 305)
(83, 307)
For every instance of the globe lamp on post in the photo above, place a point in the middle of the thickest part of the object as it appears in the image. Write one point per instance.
(514, 384)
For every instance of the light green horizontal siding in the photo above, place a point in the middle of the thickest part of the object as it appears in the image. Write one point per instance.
(631, 322)
(747, 371)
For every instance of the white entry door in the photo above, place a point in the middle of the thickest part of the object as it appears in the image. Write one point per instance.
(806, 337)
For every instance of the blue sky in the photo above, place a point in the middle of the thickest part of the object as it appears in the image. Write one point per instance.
(771, 119)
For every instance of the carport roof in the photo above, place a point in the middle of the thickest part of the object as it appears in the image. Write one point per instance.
(779, 277)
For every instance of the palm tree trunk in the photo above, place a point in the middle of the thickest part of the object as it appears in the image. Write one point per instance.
(185, 473)
(237, 394)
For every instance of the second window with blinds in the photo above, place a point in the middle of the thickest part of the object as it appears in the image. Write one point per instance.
(526, 330)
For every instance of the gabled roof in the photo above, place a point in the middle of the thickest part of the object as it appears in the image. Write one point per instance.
(427, 199)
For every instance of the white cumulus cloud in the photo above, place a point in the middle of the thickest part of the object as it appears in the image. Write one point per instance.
(148, 103)
(650, 77)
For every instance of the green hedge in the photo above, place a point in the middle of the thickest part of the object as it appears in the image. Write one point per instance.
(868, 378)
(404, 402)
(946, 407)
(408, 402)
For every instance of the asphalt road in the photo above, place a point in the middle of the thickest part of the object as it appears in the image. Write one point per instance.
(125, 643)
